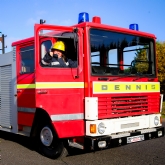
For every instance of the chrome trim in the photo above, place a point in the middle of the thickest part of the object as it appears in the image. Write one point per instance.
(76, 116)
(76, 145)
(7, 127)
(148, 130)
(45, 63)
(161, 102)
(26, 50)
(30, 110)
(120, 135)
(129, 125)
(24, 133)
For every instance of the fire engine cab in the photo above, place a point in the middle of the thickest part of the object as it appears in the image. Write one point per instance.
(111, 97)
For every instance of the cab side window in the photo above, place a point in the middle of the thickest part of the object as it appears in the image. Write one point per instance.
(27, 59)
(69, 55)
(45, 47)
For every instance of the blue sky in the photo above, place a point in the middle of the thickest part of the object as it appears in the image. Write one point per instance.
(19, 16)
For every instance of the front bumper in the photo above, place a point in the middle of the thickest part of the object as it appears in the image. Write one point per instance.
(125, 124)
(123, 139)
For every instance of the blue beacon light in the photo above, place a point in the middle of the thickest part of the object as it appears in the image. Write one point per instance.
(134, 26)
(83, 17)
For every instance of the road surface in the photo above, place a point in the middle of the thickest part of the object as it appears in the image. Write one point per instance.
(18, 150)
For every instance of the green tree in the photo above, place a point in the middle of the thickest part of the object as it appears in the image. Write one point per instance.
(141, 61)
(160, 53)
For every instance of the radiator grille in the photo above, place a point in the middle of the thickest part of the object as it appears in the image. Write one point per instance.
(5, 95)
(127, 104)
(118, 106)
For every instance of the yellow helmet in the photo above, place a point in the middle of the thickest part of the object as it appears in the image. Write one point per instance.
(59, 45)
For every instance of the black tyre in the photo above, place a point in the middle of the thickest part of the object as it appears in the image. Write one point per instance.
(49, 145)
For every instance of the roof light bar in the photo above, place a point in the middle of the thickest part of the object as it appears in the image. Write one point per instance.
(134, 26)
(83, 17)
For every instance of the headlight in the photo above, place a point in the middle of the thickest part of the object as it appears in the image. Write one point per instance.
(101, 128)
(156, 120)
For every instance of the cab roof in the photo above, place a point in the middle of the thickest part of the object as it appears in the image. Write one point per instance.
(97, 26)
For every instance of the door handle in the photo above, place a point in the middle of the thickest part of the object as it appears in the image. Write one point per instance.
(42, 91)
(19, 90)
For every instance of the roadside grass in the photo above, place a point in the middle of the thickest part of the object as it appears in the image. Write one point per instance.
(163, 110)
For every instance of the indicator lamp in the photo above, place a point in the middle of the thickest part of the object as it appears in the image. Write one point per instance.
(92, 128)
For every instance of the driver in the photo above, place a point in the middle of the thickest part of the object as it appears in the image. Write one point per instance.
(56, 57)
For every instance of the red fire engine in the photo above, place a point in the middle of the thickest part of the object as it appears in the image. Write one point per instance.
(111, 97)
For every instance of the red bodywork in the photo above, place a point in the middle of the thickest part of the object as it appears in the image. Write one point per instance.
(60, 101)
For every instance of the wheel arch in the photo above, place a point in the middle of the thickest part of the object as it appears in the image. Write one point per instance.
(41, 118)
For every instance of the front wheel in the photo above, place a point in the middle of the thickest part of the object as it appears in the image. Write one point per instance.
(49, 144)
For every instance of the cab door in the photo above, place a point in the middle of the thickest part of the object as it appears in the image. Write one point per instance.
(60, 91)
(25, 84)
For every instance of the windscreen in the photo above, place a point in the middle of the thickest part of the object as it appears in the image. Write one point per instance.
(115, 53)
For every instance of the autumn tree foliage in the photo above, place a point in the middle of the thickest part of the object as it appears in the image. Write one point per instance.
(141, 55)
(160, 52)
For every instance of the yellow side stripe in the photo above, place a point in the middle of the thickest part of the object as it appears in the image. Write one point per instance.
(24, 86)
(51, 85)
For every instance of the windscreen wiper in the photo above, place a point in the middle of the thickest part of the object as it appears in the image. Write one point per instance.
(120, 77)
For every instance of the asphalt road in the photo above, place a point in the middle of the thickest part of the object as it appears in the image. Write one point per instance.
(18, 150)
